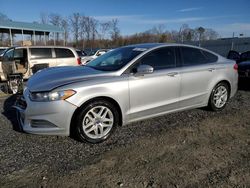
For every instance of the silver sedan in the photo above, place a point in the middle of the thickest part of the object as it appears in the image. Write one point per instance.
(125, 85)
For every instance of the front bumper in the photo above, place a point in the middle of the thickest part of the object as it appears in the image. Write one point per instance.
(45, 118)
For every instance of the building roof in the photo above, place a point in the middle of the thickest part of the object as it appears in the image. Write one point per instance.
(29, 26)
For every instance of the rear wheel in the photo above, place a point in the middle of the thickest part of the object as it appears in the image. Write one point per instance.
(219, 97)
(96, 121)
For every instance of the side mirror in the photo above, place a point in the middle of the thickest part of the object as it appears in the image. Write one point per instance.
(144, 69)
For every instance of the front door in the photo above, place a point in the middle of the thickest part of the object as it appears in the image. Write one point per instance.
(158, 92)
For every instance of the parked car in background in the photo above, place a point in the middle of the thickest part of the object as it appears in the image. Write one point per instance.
(94, 55)
(81, 54)
(2, 50)
(30, 59)
(243, 61)
(125, 85)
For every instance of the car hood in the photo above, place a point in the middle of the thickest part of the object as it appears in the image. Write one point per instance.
(244, 65)
(51, 78)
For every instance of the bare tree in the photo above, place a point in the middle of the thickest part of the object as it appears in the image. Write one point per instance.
(88, 31)
(115, 31)
(44, 18)
(93, 29)
(210, 34)
(75, 24)
(104, 27)
(65, 26)
(174, 35)
(186, 33)
(3, 36)
(3, 17)
(159, 29)
(82, 30)
(200, 30)
(55, 19)
(87, 28)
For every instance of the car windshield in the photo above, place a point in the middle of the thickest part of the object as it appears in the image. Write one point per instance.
(115, 59)
(2, 51)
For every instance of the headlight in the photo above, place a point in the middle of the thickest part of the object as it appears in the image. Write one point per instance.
(51, 96)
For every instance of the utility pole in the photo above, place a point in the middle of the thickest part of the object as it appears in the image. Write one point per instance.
(232, 46)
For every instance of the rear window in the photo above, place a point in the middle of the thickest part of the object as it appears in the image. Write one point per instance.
(40, 53)
(62, 53)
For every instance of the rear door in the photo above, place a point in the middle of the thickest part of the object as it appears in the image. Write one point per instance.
(65, 57)
(198, 69)
(41, 56)
(159, 91)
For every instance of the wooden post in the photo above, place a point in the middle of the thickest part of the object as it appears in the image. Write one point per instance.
(54, 38)
(11, 39)
(34, 37)
(44, 34)
(22, 38)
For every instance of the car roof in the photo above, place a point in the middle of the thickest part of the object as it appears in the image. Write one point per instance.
(65, 47)
(153, 45)
(146, 45)
(149, 46)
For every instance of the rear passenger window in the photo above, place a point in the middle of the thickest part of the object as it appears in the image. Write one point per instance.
(62, 53)
(161, 58)
(40, 53)
(210, 57)
(192, 56)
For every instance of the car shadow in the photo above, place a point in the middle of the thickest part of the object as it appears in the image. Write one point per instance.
(10, 113)
(244, 84)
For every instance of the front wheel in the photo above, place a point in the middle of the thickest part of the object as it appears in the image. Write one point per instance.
(219, 97)
(97, 121)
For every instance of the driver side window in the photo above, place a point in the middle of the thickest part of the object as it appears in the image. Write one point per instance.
(159, 59)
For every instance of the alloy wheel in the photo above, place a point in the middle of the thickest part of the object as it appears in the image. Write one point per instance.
(98, 122)
(220, 96)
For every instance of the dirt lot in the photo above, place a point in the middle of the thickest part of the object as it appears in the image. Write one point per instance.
(196, 148)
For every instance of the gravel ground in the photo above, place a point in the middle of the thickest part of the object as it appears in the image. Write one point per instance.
(195, 148)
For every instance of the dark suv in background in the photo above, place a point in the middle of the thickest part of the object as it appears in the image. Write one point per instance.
(243, 61)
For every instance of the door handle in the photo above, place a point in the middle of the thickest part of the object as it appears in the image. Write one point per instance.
(211, 69)
(172, 74)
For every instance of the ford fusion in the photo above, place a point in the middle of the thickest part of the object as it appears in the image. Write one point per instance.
(125, 85)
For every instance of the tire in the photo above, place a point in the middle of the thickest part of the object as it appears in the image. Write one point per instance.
(96, 121)
(219, 97)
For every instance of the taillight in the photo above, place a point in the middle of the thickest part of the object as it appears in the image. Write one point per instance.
(236, 66)
(79, 61)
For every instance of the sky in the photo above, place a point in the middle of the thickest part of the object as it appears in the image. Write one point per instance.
(224, 16)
